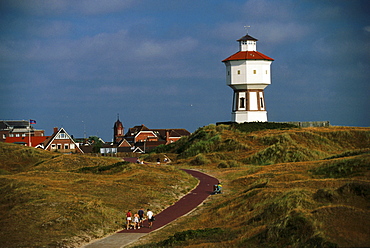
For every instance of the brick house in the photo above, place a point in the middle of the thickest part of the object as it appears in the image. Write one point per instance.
(59, 141)
(62, 142)
(17, 128)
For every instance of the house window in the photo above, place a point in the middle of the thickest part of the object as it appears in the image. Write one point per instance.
(72, 146)
(59, 146)
(53, 146)
(23, 135)
(65, 146)
(17, 135)
(4, 136)
(11, 135)
(62, 136)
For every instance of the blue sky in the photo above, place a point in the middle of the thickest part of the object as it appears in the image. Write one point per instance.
(77, 64)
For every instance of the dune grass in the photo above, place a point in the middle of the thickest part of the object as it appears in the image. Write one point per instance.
(68, 200)
(283, 187)
(288, 190)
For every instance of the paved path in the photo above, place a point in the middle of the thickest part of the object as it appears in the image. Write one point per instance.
(185, 205)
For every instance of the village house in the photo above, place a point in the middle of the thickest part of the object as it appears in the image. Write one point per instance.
(140, 138)
(62, 142)
(59, 141)
(18, 128)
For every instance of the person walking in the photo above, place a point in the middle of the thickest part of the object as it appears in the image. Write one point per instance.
(136, 221)
(128, 219)
(150, 216)
(141, 216)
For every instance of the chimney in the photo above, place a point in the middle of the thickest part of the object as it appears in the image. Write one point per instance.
(55, 130)
(167, 137)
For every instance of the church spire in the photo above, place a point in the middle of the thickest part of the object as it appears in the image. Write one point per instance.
(118, 130)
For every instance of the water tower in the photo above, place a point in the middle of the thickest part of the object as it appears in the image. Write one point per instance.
(248, 72)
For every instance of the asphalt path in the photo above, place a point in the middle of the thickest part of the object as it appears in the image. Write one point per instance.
(182, 207)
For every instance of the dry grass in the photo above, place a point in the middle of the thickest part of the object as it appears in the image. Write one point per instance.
(300, 187)
(321, 200)
(66, 200)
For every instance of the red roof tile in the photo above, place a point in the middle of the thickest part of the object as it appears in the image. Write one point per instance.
(248, 55)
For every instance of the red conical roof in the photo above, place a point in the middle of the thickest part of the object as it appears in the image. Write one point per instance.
(248, 55)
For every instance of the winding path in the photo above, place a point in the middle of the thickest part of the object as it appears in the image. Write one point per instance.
(185, 205)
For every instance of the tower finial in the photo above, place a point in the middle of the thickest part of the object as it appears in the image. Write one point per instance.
(246, 28)
(117, 116)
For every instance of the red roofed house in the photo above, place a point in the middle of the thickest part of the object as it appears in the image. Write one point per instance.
(144, 138)
(18, 129)
(59, 141)
(62, 142)
(248, 73)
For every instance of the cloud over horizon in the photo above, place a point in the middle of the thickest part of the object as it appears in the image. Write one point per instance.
(159, 64)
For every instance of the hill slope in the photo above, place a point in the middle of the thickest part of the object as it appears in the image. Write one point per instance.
(295, 187)
(53, 200)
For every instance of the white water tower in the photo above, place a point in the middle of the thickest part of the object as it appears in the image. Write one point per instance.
(248, 72)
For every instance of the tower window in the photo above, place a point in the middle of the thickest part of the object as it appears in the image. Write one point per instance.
(266, 72)
(238, 71)
(261, 102)
(242, 102)
(254, 71)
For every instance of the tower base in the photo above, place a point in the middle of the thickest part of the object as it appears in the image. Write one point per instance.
(249, 116)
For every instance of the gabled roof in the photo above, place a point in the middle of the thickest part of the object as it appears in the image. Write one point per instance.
(123, 143)
(248, 55)
(176, 132)
(55, 135)
(136, 129)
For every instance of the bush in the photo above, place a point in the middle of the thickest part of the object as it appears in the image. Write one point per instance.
(343, 167)
(223, 165)
(108, 169)
(200, 159)
(207, 235)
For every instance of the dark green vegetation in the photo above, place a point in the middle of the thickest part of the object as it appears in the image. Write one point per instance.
(53, 200)
(209, 235)
(284, 187)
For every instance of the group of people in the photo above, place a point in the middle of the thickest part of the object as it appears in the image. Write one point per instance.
(136, 220)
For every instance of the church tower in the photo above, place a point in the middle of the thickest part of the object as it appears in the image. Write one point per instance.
(248, 72)
(118, 131)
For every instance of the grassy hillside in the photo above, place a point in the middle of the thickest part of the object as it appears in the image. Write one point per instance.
(283, 187)
(296, 187)
(53, 200)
